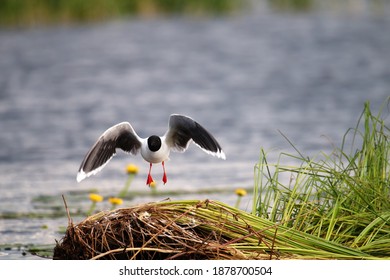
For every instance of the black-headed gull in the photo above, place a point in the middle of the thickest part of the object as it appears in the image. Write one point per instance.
(154, 149)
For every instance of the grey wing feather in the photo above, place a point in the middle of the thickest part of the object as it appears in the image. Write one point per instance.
(120, 136)
(183, 129)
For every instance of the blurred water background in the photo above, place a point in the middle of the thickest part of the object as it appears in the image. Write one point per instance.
(245, 72)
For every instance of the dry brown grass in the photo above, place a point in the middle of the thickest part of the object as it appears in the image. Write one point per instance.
(158, 231)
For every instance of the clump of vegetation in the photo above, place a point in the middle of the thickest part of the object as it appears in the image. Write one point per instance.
(24, 12)
(343, 197)
(191, 230)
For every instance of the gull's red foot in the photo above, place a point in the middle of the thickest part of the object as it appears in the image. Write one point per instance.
(149, 180)
(164, 179)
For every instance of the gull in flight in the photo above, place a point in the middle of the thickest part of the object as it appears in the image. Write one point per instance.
(154, 149)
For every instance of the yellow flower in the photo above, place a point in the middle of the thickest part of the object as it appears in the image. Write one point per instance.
(240, 192)
(94, 197)
(132, 169)
(115, 200)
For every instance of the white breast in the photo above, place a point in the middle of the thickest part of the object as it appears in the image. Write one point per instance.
(155, 157)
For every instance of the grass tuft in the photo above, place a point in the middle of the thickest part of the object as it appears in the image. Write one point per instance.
(191, 229)
(342, 197)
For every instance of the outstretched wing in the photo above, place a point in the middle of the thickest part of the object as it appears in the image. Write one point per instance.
(183, 129)
(120, 136)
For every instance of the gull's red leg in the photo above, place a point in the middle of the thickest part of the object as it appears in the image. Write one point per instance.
(165, 180)
(150, 179)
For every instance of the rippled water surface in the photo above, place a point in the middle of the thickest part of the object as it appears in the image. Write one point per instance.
(243, 78)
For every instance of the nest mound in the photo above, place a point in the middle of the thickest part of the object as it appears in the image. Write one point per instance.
(164, 230)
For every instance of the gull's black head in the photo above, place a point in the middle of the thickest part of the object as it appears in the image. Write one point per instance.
(154, 143)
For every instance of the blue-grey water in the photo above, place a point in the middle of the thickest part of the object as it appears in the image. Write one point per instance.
(244, 78)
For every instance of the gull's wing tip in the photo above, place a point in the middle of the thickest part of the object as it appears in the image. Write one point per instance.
(81, 175)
